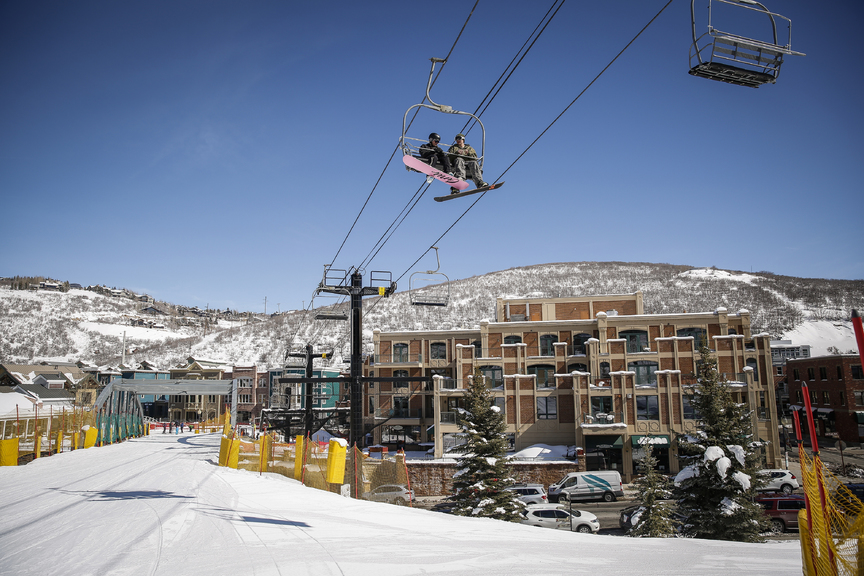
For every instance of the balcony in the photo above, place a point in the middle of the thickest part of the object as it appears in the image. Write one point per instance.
(398, 358)
(602, 419)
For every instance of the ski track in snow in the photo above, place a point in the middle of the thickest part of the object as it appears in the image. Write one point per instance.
(160, 505)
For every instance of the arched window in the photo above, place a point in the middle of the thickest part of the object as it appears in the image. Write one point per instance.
(577, 367)
(700, 336)
(400, 353)
(644, 370)
(512, 340)
(546, 344)
(579, 343)
(545, 375)
(438, 351)
(637, 340)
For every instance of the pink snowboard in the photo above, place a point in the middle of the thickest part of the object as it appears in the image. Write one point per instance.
(421, 166)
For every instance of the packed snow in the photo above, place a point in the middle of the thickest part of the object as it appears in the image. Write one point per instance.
(160, 505)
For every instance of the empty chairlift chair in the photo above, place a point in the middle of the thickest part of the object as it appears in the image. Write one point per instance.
(735, 58)
(430, 288)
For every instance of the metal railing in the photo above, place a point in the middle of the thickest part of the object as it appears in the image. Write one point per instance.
(398, 358)
(603, 418)
(448, 417)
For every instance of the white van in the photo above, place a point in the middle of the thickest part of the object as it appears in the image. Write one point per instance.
(598, 485)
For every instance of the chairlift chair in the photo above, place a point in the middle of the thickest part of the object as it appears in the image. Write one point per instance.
(736, 59)
(411, 146)
(422, 294)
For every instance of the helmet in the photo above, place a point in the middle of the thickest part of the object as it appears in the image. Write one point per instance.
(459, 136)
(434, 136)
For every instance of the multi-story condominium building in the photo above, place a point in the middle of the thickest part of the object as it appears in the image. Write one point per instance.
(836, 387)
(781, 351)
(594, 373)
(198, 407)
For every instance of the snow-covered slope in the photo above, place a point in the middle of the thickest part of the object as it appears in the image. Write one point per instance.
(82, 325)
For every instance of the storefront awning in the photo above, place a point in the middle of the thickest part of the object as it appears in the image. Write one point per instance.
(859, 417)
(797, 407)
(657, 440)
(603, 442)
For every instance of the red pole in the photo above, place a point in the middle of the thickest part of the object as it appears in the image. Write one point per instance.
(859, 334)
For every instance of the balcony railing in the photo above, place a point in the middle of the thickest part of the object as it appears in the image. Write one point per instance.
(603, 418)
(448, 417)
(398, 358)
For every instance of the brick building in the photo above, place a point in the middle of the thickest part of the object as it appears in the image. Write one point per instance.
(836, 387)
(591, 372)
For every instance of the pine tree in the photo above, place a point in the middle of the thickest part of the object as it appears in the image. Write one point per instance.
(482, 476)
(653, 519)
(715, 487)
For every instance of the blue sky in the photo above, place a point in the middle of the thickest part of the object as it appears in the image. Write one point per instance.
(217, 153)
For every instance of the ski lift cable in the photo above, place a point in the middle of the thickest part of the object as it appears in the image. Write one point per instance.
(395, 149)
(367, 261)
(409, 207)
(480, 197)
(466, 128)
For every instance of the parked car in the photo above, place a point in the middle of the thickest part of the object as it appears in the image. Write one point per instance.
(560, 518)
(598, 485)
(779, 481)
(783, 511)
(849, 500)
(391, 493)
(530, 493)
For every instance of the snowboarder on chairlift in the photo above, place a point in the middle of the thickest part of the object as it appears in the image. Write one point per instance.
(461, 154)
(432, 152)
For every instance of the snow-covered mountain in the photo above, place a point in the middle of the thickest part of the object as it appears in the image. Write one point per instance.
(88, 326)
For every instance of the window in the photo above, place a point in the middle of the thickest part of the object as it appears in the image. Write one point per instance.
(842, 398)
(400, 407)
(637, 340)
(400, 353)
(811, 373)
(547, 408)
(601, 404)
(400, 374)
(478, 349)
(839, 372)
(856, 372)
(647, 408)
(752, 363)
(700, 336)
(438, 351)
(501, 403)
(546, 344)
(796, 374)
(579, 343)
(644, 370)
(545, 375)
(799, 397)
(823, 373)
(604, 370)
(779, 370)
(859, 397)
(578, 367)
(371, 405)
(512, 340)
(813, 397)
(688, 409)
(244, 398)
(826, 398)
(494, 375)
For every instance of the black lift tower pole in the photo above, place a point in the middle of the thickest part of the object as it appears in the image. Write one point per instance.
(337, 282)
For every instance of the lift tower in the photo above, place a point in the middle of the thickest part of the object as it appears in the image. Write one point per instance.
(350, 283)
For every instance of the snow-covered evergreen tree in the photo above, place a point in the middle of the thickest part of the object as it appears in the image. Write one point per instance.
(653, 518)
(482, 475)
(715, 487)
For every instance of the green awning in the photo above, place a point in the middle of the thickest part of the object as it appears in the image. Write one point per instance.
(603, 442)
(658, 440)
